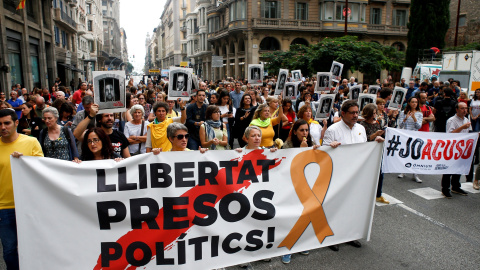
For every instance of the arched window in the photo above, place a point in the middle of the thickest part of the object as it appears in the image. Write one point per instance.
(269, 44)
(301, 41)
(399, 46)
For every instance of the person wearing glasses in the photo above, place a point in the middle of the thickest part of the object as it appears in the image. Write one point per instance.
(347, 131)
(57, 142)
(177, 134)
(98, 146)
(213, 132)
(2, 96)
(142, 100)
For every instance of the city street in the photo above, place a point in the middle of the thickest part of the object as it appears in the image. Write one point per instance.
(415, 233)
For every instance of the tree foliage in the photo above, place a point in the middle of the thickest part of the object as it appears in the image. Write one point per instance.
(129, 67)
(466, 47)
(427, 26)
(366, 57)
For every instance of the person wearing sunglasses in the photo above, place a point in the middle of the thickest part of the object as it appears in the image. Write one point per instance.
(178, 136)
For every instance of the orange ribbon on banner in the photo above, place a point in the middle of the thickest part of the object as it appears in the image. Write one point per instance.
(311, 199)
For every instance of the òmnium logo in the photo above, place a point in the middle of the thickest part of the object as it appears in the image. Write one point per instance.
(408, 165)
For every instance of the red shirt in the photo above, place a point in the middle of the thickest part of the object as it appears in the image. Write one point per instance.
(77, 96)
(291, 118)
(426, 111)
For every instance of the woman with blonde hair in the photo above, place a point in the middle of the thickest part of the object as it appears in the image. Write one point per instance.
(264, 120)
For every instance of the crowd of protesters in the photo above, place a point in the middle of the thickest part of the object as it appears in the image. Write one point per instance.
(63, 124)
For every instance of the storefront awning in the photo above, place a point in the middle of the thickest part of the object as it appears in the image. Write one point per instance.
(71, 68)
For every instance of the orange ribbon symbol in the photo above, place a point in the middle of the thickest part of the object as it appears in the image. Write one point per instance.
(311, 199)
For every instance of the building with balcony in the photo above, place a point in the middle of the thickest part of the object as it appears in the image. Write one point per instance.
(27, 45)
(198, 51)
(468, 23)
(241, 31)
(65, 16)
(123, 43)
(111, 33)
(173, 32)
(91, 29)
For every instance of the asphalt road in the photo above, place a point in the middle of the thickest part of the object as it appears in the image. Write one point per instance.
(416, 234)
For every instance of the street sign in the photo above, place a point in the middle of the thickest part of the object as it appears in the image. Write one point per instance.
(154, 70)
(217, 61)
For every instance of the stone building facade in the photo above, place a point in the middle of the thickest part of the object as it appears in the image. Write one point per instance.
(469, 23)
(241, 31)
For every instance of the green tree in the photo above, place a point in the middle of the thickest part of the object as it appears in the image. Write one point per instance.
(366, 57)
(129, 67)
(427, 26)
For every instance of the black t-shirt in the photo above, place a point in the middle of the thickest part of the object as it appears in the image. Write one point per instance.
(445, 108)
(119, 142)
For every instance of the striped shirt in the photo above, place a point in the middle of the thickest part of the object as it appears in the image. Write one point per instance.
(342, 133)
(455, 122)
(410, 124)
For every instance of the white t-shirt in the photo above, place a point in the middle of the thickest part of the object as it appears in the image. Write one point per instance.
(475, 105)
(225, 109)
(134, 130)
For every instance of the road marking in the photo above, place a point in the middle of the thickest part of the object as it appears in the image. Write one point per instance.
(469, 187)
(440, 224)
(427, 193)
(389, 198)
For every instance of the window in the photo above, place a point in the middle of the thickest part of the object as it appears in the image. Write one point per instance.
(301, 11)
(104, 12)
(462, 20)
(89, 8)
(271, 9)
(400, 17)
(329, 11)
(64, 39)
(353, 12)
(57, 35)
(90, 25)
(241, 9)
(376, 16)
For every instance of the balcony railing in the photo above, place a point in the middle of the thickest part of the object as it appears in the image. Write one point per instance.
(385, 29)
(63, 18)
(286, 24)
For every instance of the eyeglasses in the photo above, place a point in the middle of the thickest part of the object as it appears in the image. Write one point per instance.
(355, 112)
(141, 98)
(181, 136)
(217, 112)
(94, 141)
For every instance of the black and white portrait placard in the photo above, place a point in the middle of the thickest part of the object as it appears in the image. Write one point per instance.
(255, 74)
(364, 99)
(397, 98)
(336, 71)
(281, 81)
(324, 82)
(296, 75)
(354, 92)
(109, 90)
(373, 89)
(180, 85)
(290, 91)
(325, 105)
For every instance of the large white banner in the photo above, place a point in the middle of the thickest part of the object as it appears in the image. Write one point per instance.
(185, 210)
(428, 152)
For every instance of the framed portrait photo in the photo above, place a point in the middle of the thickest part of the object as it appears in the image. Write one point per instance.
(324, 82)
(364, 99)
(281, 81)
(336, 71)
(296, 75)
(255, 74)
(325, 105)
(291, 89)
(398, 97)
(180, 84)
(109, 91)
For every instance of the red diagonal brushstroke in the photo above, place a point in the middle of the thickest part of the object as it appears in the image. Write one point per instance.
(150, 237)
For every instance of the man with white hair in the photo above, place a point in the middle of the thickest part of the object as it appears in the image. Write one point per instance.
(39, 106)
(60, 95)
(352, 82)
(23, 93)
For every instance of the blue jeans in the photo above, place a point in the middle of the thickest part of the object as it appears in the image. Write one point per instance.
(8, 235)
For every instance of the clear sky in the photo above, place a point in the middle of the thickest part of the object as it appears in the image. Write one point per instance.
(139, 17)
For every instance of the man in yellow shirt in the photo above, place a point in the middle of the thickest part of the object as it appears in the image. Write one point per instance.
(15, 144)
